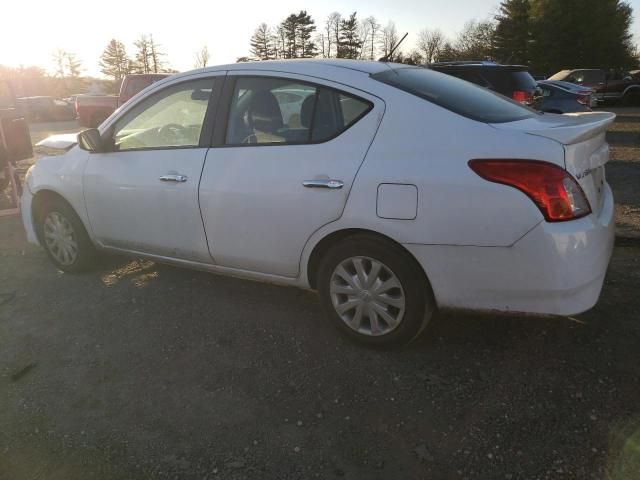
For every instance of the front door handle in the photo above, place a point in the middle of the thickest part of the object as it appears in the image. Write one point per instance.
(173, 177)
(323, 183)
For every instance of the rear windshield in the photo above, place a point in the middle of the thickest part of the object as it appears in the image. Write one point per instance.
(455, 95)
(523, 80)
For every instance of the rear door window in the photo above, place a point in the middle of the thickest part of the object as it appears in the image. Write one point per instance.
(458, 96)
(266, 110)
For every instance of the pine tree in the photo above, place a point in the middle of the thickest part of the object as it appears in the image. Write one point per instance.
(296, 31)
(290, 33)
(585, 33)
(350, 44)
(262, 43)
(143, 55)
(306, 27)
(512, 35)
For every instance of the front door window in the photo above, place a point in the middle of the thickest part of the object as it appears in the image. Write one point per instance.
(172, 118)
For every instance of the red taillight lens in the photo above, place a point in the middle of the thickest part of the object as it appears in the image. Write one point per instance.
(552, 189)
(583, 100)
(522, 97)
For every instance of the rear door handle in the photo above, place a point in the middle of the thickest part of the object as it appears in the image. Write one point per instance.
(323, 183)
(172, 177)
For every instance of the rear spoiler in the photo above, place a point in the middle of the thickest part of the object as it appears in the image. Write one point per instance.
(566, 129)
(579, 127)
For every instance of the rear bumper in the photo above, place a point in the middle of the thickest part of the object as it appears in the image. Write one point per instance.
(556, 268)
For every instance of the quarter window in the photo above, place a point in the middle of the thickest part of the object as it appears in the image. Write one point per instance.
(279, 111)
(172, 117)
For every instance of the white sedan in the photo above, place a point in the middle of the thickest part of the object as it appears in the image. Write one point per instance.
(398, 190)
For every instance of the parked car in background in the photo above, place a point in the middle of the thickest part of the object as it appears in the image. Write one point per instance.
(384, 196)
(609, 85)
(563, 97)
(45, 109)
(513, 81)
(92, 110)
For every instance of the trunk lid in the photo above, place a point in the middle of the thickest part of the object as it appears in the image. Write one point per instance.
(585, 148)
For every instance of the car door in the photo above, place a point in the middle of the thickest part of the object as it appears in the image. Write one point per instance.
(142, 193)
(279, 172)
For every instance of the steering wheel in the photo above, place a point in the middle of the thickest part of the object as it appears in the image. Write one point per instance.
(171, 133)
(250, 139)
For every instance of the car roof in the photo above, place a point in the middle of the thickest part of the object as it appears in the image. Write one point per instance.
(475, 64)
(303, 66)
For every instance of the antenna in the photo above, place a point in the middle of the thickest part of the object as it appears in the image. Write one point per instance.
(390, 54)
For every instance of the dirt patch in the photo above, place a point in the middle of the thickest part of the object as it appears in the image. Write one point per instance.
(623, 171)
(144, 371)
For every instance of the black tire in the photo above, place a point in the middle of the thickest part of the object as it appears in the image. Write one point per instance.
(86, 255)
(631, 99)
(419, 300)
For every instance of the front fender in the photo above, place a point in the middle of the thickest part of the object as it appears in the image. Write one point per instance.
(62, 175)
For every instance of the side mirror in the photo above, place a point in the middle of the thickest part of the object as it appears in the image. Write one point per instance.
(90, 140)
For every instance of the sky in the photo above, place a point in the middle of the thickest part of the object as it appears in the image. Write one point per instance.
(39, 27)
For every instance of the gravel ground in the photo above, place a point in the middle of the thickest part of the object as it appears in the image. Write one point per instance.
(148, 371)
(144, 371)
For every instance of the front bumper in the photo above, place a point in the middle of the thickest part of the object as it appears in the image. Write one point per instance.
(27, 218)
(556, 268)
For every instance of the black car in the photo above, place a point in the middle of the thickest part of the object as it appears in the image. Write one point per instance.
(45, 109)
(513, 81)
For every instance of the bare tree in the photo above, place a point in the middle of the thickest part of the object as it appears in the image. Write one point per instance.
(363, 34)
(73, 65)
(202, 58)
(430, 43)
(475, 41)
(389, 39)
(373, 34)
(332, 29)
(281, 42)
(321, 41)
(59, 60)
(154, 56)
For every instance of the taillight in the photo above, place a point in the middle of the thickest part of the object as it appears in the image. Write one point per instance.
(552, 189)
(583, 100)
(522, 97)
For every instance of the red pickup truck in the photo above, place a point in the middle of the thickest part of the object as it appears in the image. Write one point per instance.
(92, 110)
(609, 85)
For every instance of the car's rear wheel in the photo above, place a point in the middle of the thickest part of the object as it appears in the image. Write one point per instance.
(631, 99)
(374, 291)
(64, 237)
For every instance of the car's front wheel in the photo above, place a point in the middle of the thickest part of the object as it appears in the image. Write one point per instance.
(64, 237)
(374, 291)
